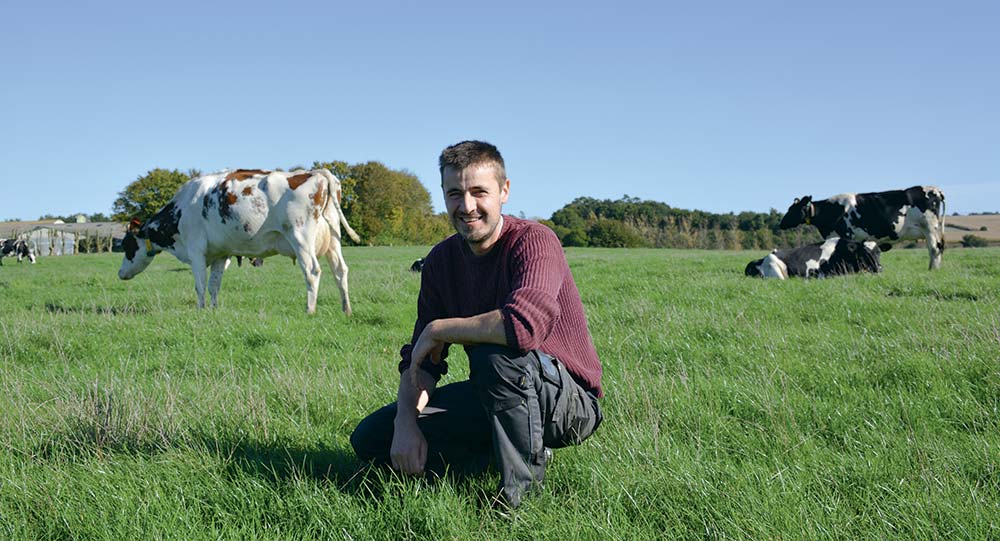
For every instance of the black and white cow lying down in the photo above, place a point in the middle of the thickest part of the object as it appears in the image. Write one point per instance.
(250, 213)
(832, 257)
(16, 247)
(910, 214)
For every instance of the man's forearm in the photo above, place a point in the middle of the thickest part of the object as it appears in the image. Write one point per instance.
(410, 400)
(485, 328)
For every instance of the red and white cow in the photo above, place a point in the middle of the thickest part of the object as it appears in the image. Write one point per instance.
(249, 213)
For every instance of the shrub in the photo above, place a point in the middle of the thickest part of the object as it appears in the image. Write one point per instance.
(972, 241)
(614, 234)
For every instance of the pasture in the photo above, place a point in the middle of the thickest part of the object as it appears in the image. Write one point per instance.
(861, 407)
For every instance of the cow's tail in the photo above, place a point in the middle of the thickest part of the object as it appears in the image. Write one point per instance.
(333, 203)
(941, 218)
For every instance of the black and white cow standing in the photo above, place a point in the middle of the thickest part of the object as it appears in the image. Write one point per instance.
(832, 257)
(249, 213)
(16, 247)
(910, 214)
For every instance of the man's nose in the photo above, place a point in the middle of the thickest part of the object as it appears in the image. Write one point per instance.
(468, 203)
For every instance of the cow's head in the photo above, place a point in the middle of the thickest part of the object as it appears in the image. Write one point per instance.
(802, 211)
(139, 252)
(24, 249)
(850, 256)
(872, 258)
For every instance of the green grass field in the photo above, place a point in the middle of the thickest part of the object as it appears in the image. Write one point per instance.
(863, 407)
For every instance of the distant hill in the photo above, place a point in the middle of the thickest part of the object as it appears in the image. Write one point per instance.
(956, 227)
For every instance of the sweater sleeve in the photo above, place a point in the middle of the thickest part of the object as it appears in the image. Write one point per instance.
(532, 307)
(429, 307)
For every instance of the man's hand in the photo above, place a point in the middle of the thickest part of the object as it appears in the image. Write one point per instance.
(409, 448)
(427, 345)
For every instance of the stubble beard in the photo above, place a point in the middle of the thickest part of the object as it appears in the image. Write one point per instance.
(476, 237)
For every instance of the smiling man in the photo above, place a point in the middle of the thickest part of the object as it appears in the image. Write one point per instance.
(501, 288)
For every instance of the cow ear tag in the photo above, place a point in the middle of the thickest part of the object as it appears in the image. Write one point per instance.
(149, 249)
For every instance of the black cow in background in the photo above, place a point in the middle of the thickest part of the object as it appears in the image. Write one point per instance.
(910, 214)
(832, 257)
(16, 247)
(256, 262)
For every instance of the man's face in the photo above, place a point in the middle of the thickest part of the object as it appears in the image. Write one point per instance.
(474, 198)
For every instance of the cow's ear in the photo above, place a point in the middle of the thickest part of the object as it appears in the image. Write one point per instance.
(885, 247)
(796, 202)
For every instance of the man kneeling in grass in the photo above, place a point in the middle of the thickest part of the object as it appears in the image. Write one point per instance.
(502, 288)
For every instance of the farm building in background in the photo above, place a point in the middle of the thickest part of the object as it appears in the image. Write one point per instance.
(55, 237)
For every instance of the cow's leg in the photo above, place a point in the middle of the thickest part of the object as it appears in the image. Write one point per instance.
(200, 276)
(339, 266)
(215, 279)
(311, 271)
(935, 243)
(306, 258)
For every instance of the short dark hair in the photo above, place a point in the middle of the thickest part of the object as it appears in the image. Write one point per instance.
(461, 156)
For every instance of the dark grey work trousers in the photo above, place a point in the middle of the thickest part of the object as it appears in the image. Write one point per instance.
(510, 409)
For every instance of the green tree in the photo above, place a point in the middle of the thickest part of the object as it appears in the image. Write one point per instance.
(614, 234)
(388, 202)
(387, 206)
(149, 193)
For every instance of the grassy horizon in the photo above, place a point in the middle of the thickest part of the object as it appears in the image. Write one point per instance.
(848, 408)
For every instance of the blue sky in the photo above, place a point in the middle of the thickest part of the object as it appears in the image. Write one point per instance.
(720, 106)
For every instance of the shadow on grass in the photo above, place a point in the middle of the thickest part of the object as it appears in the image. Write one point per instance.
(338, 466)
(372, 319)
(933, 294)
(59, 308)
(278, 463)
(104, 436)
(273, 463)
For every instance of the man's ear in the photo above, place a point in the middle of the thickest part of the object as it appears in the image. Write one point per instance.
(505, 190)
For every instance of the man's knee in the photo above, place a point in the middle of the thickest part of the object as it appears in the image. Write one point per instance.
(494, 366)
(372, 437)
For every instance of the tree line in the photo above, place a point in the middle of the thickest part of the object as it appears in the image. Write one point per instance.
(633, 223)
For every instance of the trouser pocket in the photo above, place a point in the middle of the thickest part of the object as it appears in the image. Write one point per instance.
(570, 413)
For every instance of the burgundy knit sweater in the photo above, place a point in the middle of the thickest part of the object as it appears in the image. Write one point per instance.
(525, 275)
